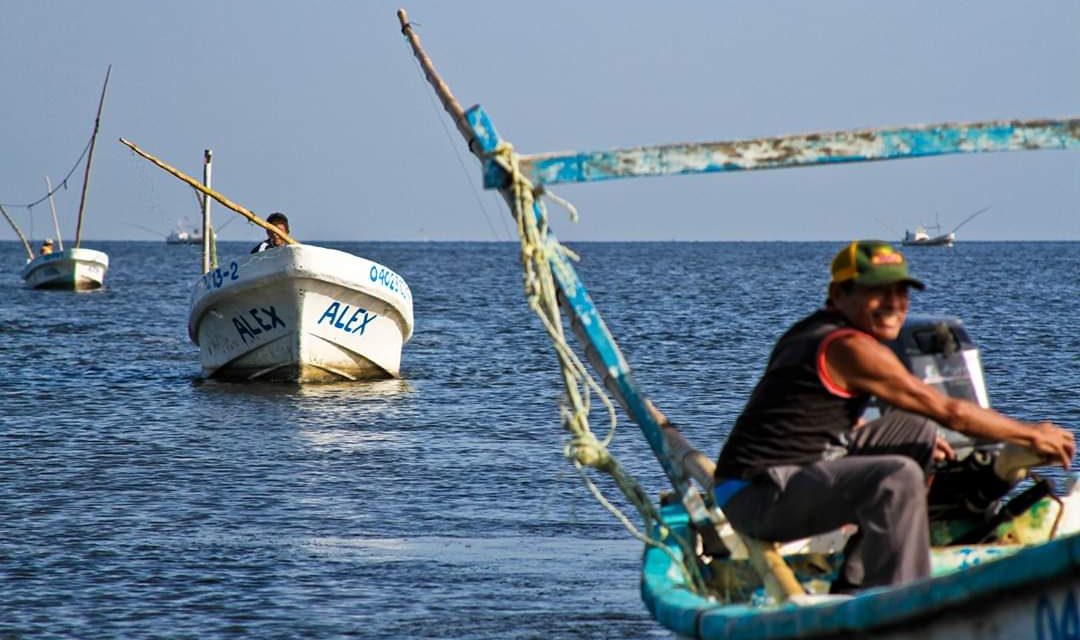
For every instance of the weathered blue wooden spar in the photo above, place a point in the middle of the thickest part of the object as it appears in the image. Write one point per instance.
(834, 147)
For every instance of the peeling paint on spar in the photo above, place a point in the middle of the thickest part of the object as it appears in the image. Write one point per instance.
(801, 150)
(390, 280)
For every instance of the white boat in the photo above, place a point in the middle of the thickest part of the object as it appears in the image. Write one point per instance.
(295, 312)
(180, 235)
(74, 268)
(922, 238)
(301, 313)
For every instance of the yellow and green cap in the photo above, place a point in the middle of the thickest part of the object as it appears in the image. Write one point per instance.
(872, 263)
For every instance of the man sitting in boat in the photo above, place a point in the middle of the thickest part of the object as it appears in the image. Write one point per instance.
(280, 221)
(46, 247)
(801, 462)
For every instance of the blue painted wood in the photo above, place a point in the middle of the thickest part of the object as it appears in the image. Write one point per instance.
(674, 605)
(803, 150)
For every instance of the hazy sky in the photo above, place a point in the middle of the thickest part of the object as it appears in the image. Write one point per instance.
(317, 108)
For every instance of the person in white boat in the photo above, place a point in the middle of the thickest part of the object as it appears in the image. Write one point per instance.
(279, 220)
(800, 462)
(46, 247)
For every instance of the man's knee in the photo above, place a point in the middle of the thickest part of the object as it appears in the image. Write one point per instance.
(904, 478)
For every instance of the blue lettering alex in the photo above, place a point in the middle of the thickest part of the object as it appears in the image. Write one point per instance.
(368, 317)
(330, 313)
(336, 313)
(355, 315)
(338, 321)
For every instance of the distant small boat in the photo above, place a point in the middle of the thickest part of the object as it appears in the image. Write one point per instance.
(301, 313)
(74, 268)
(921, 237)
(182, 235)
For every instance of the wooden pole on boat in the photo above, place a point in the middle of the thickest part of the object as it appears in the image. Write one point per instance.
(52, 207)
(228, 204)
(477, 147)
(18, 232)
(90, 159)
(449, 102)
(207, 157)
(453, 107)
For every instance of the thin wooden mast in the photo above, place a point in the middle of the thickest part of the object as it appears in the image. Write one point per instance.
(90, 159)
(55, 222)
(601, 348)
(18, 232)
(449, 102)
(206, 229)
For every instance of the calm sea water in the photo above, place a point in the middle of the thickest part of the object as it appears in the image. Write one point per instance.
(138, 500)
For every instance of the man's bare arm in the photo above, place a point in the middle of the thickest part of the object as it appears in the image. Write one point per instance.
(861, 364)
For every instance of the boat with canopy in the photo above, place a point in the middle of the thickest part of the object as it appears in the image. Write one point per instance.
(74, 268)
(294, 313)
(1003, 568)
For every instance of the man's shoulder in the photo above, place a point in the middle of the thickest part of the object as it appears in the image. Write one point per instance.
(819, 323)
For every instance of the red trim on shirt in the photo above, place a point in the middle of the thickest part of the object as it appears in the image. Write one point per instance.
(823, 371)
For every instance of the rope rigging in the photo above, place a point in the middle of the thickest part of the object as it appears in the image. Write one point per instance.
(546, 262)
(584, 449)
(62, 183)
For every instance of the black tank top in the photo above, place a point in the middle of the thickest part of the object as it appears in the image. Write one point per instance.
(792, 417)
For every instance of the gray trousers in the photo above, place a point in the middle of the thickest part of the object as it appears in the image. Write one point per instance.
(880, 485)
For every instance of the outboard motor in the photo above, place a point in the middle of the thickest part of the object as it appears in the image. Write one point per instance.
(939, 351)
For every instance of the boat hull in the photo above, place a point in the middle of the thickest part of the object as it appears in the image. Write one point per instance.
(917, 240)
(927, 243)
(183, 238)
(71, 269)
(984, 592)
(301, 314)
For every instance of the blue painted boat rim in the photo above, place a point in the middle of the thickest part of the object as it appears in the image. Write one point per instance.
(676, 607)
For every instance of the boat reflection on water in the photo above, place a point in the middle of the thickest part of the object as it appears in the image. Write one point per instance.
(351, 392)
(352, 439)
(344, 402)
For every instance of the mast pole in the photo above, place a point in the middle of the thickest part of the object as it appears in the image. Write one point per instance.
(206, 229)
(52, 207)
(18, 232)
(446, 97)
(90, 159)
(602, 351)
